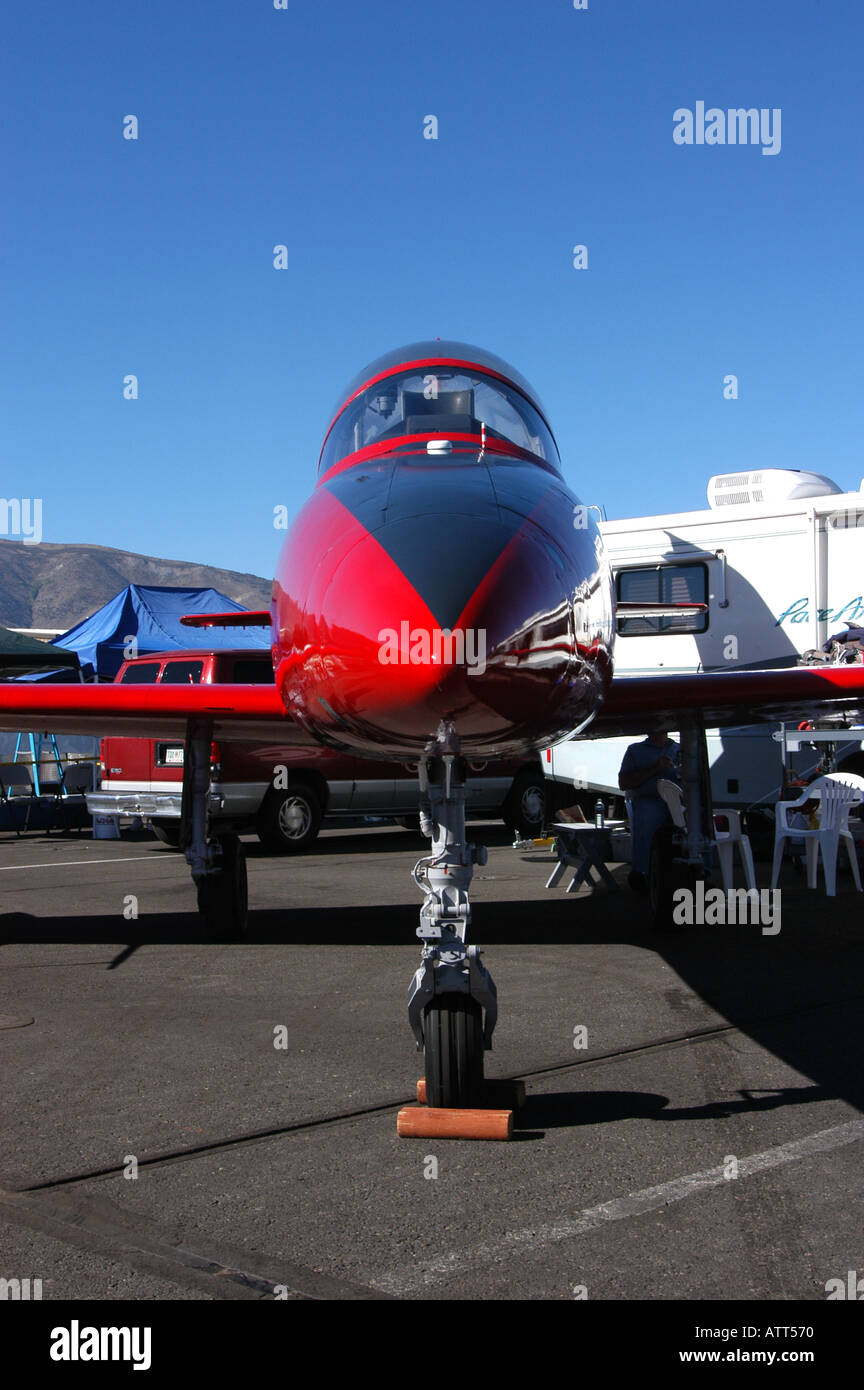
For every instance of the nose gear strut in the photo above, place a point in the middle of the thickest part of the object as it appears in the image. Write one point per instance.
(452, 987)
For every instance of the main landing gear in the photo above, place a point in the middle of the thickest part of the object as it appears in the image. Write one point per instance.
(681, 855)
(452, 988)
(218, 864)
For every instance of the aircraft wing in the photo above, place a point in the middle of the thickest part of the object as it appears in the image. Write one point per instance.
(240, 713)
(255, 713)
(727, 699)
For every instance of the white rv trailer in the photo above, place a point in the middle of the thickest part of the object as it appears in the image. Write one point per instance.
(778, 557)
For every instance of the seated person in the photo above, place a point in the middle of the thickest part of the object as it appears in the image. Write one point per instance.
(643, 766)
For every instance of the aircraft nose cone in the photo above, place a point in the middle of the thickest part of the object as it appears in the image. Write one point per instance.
(441, 529)
(445, 558)
(421, 629)
(434, 596)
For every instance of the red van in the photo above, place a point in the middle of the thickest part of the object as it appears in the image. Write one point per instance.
(143, 776)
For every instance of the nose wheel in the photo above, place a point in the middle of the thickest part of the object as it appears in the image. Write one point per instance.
(452, 1004)
(453, 1031)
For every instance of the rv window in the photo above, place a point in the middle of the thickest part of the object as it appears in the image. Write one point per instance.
(663, 584)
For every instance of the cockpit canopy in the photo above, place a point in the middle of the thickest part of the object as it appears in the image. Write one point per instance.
(438, 390)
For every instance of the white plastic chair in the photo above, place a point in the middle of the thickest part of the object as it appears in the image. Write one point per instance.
(671, 793)
(725, 841)
(837, 793)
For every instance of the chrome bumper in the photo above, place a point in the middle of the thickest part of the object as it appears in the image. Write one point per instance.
(162, 805)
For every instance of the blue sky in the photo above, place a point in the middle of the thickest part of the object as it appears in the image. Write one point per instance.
(304, 127)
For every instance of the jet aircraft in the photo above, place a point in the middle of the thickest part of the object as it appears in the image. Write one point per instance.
(442, 598)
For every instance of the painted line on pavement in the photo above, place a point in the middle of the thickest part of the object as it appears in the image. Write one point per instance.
(72, 863)
(535, 1238)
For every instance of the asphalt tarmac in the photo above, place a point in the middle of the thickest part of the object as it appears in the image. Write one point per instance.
(191, 1121)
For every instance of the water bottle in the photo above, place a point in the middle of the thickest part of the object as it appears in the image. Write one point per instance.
(598, 814)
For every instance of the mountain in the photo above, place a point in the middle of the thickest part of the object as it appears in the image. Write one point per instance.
(55, 586)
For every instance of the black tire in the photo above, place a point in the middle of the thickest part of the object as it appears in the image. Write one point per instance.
(410, 823)
(289, 820)
(453, 1028)
(223, 897)
(168, 831)
(524, 811)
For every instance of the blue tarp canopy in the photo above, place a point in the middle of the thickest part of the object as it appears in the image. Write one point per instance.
(152, 616)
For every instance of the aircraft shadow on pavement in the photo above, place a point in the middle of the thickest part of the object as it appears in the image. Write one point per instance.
(571, 1109)
(798, 995)
(540, 921)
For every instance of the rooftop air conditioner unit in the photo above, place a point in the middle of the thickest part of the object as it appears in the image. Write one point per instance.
(767, 485)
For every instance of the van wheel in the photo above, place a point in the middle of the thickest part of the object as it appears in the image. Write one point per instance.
(525, 808)
(289, 820)
(223, 897)
(168, 831)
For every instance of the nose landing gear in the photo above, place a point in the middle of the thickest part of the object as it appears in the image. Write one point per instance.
(452, 988)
